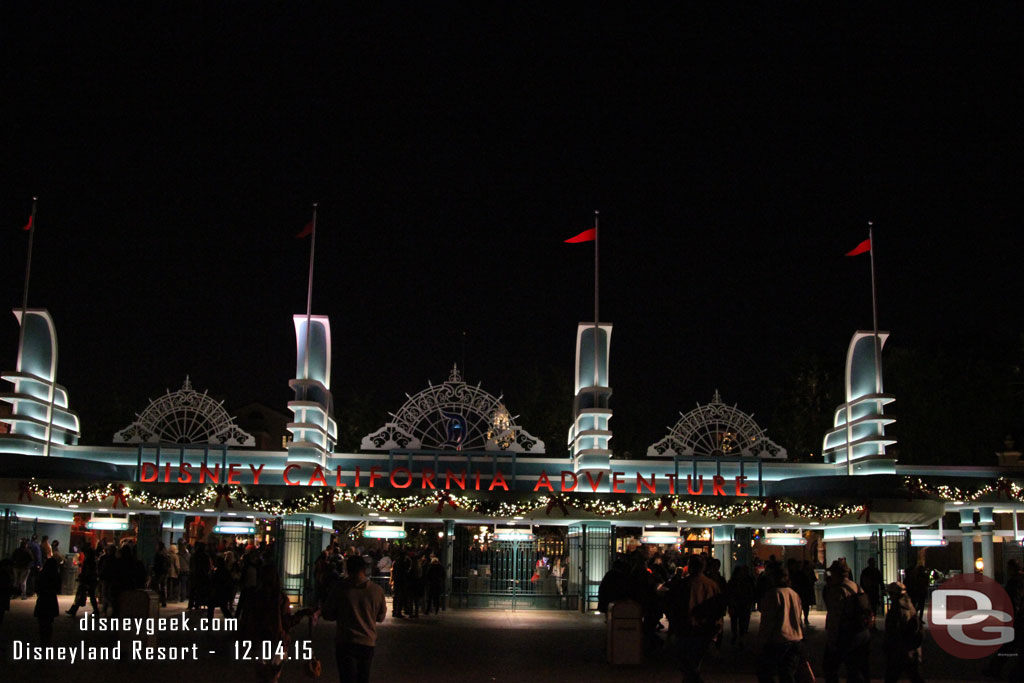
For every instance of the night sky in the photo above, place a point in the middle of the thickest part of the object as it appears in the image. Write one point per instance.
(735, 154)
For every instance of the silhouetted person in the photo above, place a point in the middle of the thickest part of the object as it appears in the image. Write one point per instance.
(47, 609)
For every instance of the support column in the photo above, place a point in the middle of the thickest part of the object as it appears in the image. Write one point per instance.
(967, 539)
(449, 555)
(723, 541)
(743, 554)
(987, 526)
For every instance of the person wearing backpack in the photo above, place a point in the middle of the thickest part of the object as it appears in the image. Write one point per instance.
(903, 636)
(700, 606)
(847, 626)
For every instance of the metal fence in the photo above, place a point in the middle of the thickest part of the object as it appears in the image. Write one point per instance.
(8, 533)
(509, 574)
(298, 544)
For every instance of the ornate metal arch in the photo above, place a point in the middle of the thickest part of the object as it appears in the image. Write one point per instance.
(716, 429)
(453, 416)
(185, 416)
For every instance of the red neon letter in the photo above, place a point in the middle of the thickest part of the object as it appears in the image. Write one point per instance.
(146, 468)
(671, 483)
(186, 471)
(167, 472)
(284, 475)
(233, 474)
(741, 485)
(317, 476)
(617, 482)
(574, 481)
(716, 486)
(427, 478)
(544, 481)
(256, 472)
(650, 486)
(213, 475)
(374, 475)
(499, 480)
(407, 481)
(450, 476)
(689, 485)
(594, 484)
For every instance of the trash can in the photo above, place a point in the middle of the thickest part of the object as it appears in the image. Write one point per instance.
(625, 633)
(68, 572)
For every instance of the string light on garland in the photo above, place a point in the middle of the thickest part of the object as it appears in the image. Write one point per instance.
(499, 509)
(1002, 486)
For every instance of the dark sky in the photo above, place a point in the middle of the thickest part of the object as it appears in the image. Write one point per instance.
(735, 153)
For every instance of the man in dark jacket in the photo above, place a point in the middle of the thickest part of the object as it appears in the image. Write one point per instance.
(700, 606)
(614, 585)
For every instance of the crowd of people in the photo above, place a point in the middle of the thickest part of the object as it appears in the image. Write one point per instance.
(690, 592)
(413, 577)
(351, 584)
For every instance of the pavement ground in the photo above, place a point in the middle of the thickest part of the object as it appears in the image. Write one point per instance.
(458, 645)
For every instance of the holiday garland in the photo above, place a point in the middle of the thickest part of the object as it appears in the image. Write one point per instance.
(325, 500)
(1002, 486)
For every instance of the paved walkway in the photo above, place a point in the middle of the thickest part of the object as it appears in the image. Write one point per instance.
(460, 645)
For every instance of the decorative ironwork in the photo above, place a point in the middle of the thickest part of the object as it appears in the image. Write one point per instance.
(185, 416)
(453, 416)
(716, 429)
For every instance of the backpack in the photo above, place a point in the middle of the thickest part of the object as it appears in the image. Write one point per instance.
(855, 614)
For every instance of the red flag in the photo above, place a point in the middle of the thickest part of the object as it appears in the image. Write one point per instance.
(585, 236)
(306, 231)
(28, 226)
(861, 248)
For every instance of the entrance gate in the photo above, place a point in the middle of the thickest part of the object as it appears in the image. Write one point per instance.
(505, 573)
(297, 544)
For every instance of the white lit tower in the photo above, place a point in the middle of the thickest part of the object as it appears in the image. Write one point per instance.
(590, 432)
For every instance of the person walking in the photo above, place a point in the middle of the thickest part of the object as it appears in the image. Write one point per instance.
(847, 623)
(903, 636)
(47, 608)
(173, 571)
(88, 576)
(184, 570)
(400, 585)
(21, 561)
(358, 605)
(780, 633)
(267, 617)
(700, 606)
(740, 594)
(871, 583)
(6, 591)
(435, 585)
(161, 568)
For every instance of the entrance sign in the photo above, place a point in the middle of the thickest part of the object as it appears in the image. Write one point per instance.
(376, 477)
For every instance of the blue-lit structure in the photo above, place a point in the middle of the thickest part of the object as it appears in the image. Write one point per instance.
(466, 469)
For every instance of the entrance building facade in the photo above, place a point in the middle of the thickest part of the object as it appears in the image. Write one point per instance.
(514, 523)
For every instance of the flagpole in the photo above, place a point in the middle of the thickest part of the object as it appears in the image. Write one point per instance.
(874, 312)
(28, 272)
(309, 304)
(597, 329)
